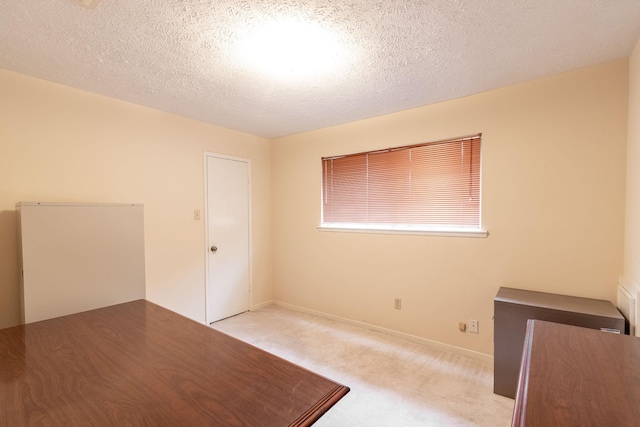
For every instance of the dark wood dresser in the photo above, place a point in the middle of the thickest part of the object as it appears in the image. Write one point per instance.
(580, 377)
(512, 309)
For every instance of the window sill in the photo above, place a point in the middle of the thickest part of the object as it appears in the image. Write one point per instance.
(381, 229)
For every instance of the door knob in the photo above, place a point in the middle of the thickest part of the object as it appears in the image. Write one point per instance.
(214, 249)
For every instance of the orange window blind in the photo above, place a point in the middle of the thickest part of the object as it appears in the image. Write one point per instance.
(435, 184)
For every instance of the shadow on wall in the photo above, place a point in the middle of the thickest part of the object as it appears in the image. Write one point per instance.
(9, 278)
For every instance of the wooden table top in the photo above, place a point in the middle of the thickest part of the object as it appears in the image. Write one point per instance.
(573, 376)
(139, 364)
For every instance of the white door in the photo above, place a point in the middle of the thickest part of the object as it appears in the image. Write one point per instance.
(228, 213)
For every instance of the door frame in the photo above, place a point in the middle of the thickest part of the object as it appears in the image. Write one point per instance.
(207, 155)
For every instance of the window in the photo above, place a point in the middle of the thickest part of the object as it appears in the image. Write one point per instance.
(433, 186)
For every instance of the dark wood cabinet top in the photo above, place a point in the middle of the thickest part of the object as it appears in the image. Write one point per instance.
(140, 364)
(587, 306)
(572, 376)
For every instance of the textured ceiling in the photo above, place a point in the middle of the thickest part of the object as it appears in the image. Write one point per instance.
(182, 55)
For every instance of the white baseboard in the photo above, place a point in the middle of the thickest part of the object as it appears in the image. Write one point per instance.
(481, 357)
(627, 302)
(630, 285)
(263, 304)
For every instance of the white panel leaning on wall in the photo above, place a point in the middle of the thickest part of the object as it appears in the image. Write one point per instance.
(78, 257)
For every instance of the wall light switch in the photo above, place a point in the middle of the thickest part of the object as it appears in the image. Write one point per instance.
(196, 214)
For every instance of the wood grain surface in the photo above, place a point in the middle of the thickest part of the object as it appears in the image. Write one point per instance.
(138, 364)
(512, 309)
(572, 376)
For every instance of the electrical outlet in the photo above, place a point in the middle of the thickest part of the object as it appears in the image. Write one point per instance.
(398, 304)
(473, 326)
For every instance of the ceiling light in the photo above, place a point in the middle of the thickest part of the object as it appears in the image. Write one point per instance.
(291, 49)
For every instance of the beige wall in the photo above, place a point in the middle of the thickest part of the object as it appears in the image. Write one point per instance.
(632, 230)
(553, 203)
(553, 198)
(61, 144)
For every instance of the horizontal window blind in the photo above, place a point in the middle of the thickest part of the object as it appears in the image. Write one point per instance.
(435, 184)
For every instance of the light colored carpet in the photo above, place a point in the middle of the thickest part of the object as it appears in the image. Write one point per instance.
(394, 382)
